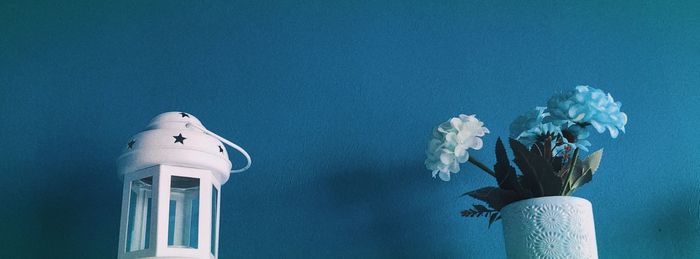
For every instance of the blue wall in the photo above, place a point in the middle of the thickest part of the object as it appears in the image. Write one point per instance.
(336, 102)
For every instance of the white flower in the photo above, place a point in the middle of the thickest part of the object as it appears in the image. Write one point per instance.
(449, 144)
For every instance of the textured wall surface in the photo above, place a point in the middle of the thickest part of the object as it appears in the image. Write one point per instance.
(335, 102)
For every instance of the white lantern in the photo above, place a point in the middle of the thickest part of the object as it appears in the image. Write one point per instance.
(173, 172)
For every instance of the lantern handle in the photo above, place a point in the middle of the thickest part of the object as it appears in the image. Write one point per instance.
(231, 144)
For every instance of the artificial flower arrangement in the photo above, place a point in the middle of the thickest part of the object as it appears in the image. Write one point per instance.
(545, 141)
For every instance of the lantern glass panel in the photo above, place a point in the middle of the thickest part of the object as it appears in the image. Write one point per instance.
(183, 214)
(139, 221)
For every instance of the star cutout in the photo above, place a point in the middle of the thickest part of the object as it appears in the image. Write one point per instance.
(131, 144)
(184, 115)
(179, 138)
(221, 150)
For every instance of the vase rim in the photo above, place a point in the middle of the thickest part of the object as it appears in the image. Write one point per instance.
(546, 199)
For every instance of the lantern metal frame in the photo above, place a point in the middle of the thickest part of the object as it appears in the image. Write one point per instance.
(158, 246)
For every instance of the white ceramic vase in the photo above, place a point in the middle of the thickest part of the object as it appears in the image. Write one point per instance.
(549, 227)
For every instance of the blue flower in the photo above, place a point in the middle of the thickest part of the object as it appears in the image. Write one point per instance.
(527, 121)
(573, 131)
(448, 146)
(530, 127)
(539, 133)
(587, 105)
(536, 125)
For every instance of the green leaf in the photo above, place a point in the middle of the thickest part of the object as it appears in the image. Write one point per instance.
(538, 172)
(593, 160)
(574, 171)
(481, 210)
(588, 168)
(495, 197)
(547, 152)
(585, 178)
(468, 213)
(527, 193)
(477, 211)
(557, 165)
(529, 179)
(493, 218)
(539, 147)
(480, 207)
(505, 173)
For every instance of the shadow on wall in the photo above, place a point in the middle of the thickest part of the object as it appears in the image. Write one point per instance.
(387, 212)
(678, 224)
(78, 203)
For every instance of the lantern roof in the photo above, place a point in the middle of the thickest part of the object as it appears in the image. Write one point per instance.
(177, 139)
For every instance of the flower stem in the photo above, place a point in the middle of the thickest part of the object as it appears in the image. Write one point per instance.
(568, 183)
(482, 166)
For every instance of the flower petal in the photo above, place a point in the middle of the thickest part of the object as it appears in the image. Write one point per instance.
(613, 131)
(444, 176)
(454, 167)
(460, 150)
(463, 158)
(455, 122)
(598, 127)
(477, 144)
(446, 158)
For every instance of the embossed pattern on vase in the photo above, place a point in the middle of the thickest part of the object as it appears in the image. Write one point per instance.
(549, 228)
